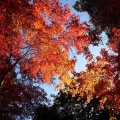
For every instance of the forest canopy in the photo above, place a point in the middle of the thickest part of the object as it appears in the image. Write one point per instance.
(37, 39)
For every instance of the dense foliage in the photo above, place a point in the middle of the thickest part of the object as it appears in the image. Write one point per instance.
(101, 77)
(40, 35)
(37, 40)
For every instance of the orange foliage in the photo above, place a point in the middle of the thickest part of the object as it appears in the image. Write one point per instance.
(37, 37)
(102, 76)
(95, 80)
(100, 79)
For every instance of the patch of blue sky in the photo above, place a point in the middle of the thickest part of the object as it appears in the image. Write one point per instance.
(84, 17)
(30, 2)
(95, 50)
(50, 89)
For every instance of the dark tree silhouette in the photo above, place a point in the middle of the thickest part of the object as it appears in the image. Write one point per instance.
(104, 14)
(20, 100)
(66, 107)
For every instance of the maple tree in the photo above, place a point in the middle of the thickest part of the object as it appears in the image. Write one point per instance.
(99, 80)
(35, 39)
(101, 77)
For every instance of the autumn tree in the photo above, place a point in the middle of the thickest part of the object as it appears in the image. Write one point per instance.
(35, 40)
(101, 77)
(100, 80)
(36, 37)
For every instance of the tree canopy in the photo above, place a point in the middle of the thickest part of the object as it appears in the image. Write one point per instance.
(40, 35)
(37, 39)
